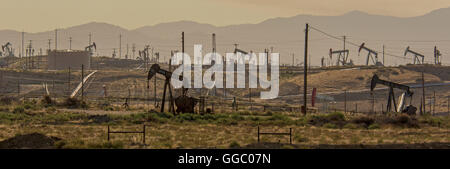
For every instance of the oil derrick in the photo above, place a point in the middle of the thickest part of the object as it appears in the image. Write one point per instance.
(416, 56)
(342, 57)
(437, 56)
(371, 55)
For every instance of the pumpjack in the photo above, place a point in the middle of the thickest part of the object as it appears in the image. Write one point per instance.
(89, 48)
(342, 57)
(143, 54)
(391, 99)
(184, 103)
(369, 55)
(437, 56)
(7, 50)
(416, 56)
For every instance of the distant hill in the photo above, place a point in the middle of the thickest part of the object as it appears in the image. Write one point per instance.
(285, 35)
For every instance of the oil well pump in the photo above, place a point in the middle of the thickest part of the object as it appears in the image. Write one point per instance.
(184, 103)
(416, 56)
(89, 48)
(372, 55)
(342, 57)
(437, 56)
(391, 99)
(8, 51)
(144, 54)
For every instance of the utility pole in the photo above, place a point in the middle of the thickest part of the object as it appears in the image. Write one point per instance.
(423, 92)
(214, 53)
(383, 56)
(120, 46)
(126, 56)
(68, 84)
(133, 49)
(344, 40)
(448, 105)
(90, 36)
(23, 43)
(30, 54)
(56, 39)
(305, 83)
(345, 101)
(250, 97)
(434, 101)
(49, 43)
(82, 82)
(70, 43)
(293, 61)
(182, 64)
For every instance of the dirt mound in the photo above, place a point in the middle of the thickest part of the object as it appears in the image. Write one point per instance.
(357, 79)
(33, 141)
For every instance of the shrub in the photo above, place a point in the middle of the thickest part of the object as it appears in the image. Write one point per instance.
(74, 103)
(186, 117)
(237, 117)
(366, 121)
(234, 144)
(336, 116)
(18, 109)
(47, 101)
(373, 126)
(5, 100)
(300, 139)
(107, 145)
(330, 126)
(351, 126)
(405, 120)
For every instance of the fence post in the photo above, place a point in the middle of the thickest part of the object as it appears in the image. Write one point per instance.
(290, 135)
(108, 132)
(143, 139)
(258, 133)
(345, 101)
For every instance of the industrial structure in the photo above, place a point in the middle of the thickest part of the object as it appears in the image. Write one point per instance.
(65, 59)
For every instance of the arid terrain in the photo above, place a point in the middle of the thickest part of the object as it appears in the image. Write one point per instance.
(352, 119)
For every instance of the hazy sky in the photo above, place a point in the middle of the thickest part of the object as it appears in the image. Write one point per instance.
(43, 15)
